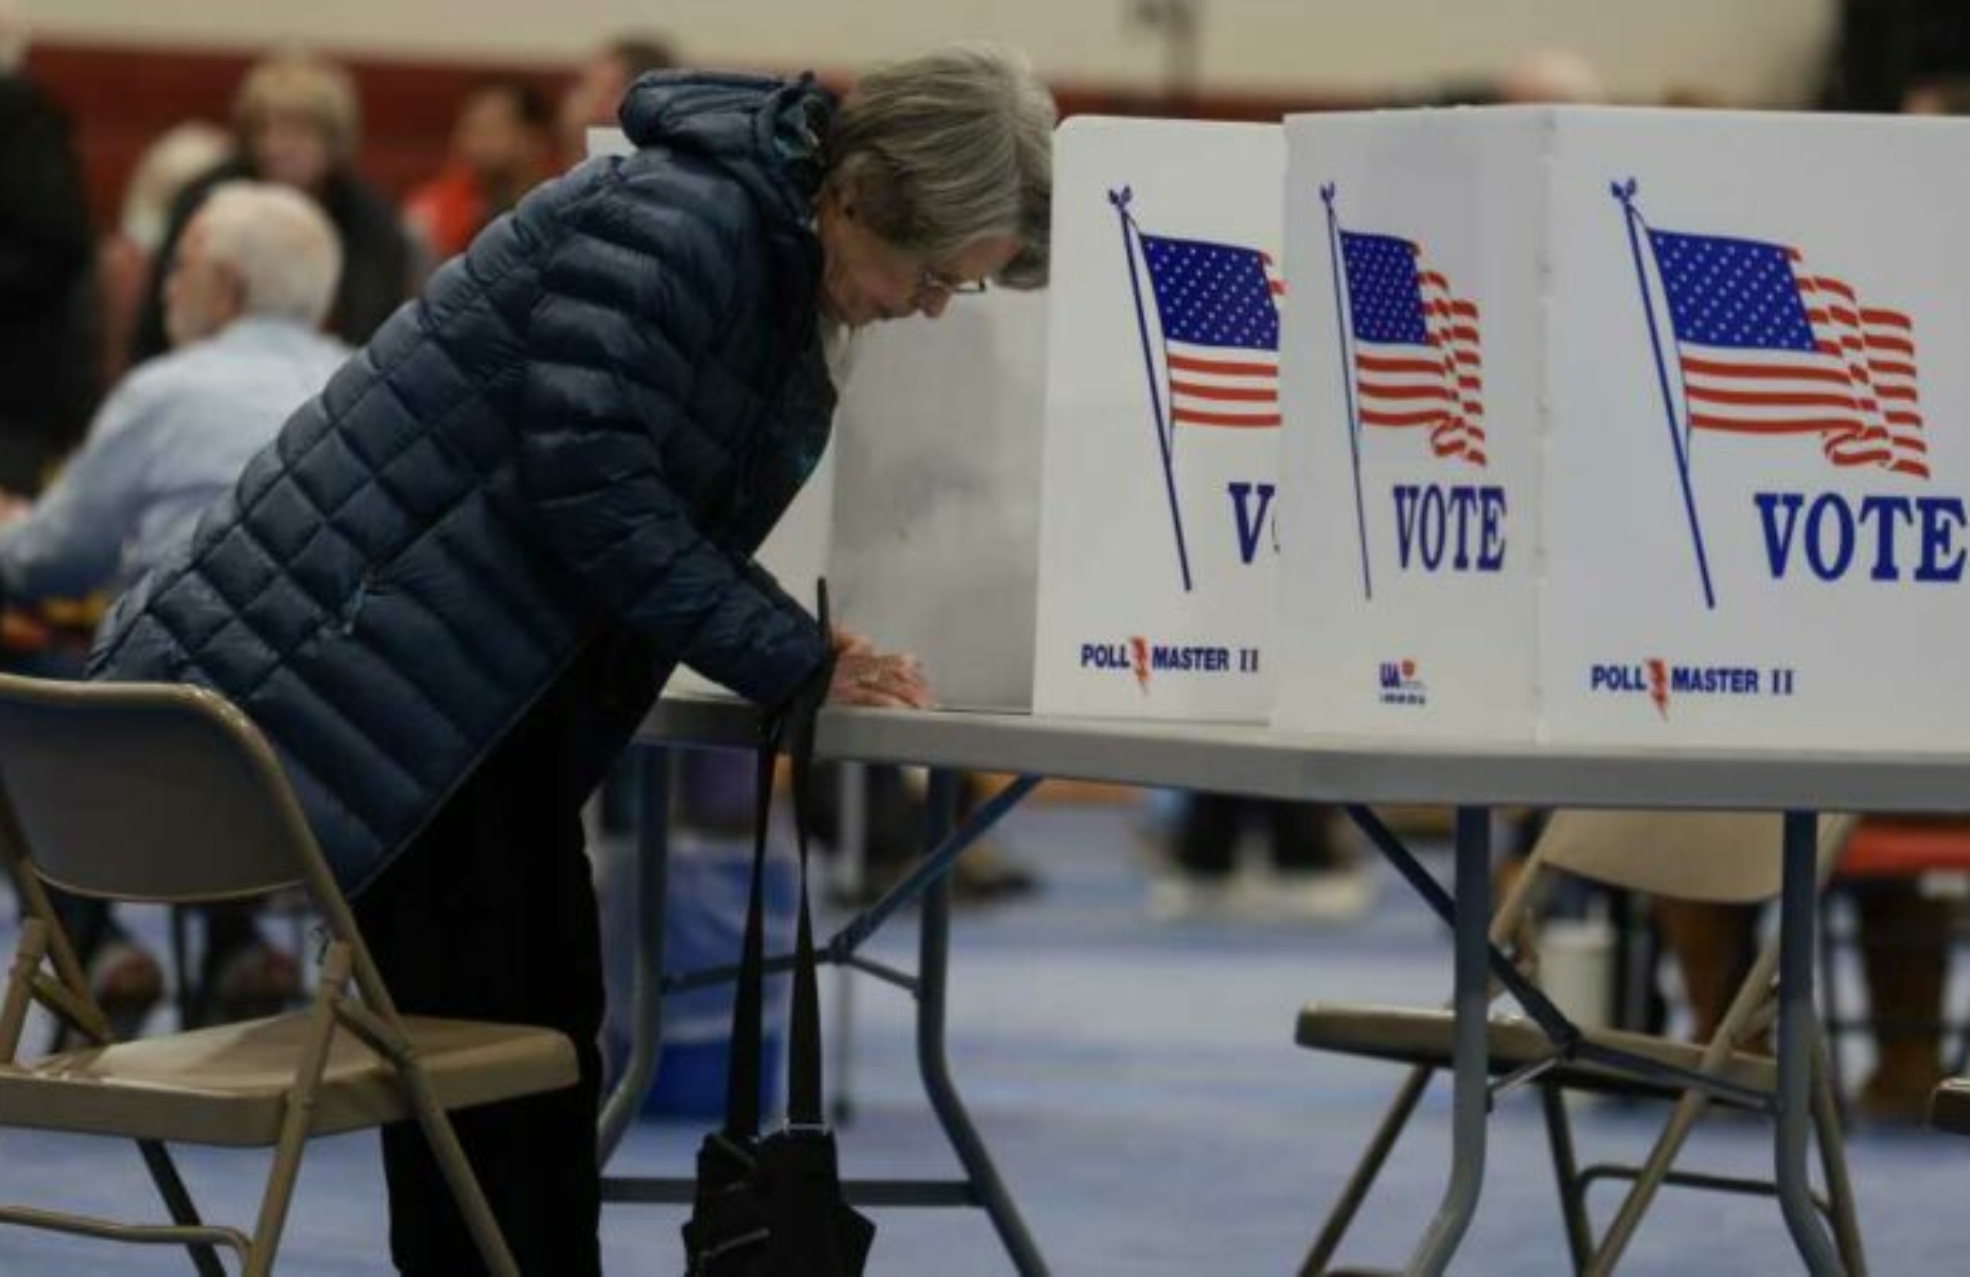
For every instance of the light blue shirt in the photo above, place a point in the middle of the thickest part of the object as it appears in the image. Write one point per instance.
(171, 439)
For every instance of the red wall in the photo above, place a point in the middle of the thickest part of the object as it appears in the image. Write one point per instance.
(122, 97)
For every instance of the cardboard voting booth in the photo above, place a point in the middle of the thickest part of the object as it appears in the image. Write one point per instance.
(1157, 538)
(935, 541)
(1627, 427)
(923, 514)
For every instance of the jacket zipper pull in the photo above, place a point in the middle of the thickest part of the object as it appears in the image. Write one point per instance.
(354, 608)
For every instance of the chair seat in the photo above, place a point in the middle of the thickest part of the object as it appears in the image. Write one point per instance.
(1949, 1107)
(1414, 1035)
(224, 1085)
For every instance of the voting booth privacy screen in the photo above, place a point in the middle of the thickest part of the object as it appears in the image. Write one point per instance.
(924, 512)
(935, 541)
(1626, 427)
(1410, 489)
(1157, 542)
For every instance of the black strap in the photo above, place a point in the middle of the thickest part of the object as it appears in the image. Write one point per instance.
(804, 1030)
(791, 729)
(742, 1071)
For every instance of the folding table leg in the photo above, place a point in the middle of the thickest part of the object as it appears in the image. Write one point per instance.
(851, 877)
(652, 885)
(933, 967)
(1797, 902)
(1472, 1098)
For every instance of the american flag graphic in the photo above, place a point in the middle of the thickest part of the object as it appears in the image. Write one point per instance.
(1417, 357)
(1769, 348)
(1218, 305)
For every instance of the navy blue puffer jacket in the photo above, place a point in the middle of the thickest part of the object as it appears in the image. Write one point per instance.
(572, 443)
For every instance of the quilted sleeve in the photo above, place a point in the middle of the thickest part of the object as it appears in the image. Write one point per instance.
(633, 295)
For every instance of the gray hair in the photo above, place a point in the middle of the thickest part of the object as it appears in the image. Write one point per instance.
(943, 149)
(282, 247)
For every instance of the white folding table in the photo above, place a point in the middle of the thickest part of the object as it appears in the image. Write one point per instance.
(1261, 763)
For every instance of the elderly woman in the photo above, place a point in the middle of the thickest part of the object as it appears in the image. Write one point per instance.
(451, 588)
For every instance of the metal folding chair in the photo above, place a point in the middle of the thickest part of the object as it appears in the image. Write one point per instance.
(1712, 857)
(168, 794)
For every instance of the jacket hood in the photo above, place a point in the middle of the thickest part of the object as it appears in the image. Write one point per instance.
(766, 132)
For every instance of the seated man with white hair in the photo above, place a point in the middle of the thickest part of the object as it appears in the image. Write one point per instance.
(249, 286)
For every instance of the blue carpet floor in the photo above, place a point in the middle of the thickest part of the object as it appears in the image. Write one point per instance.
(1138, 1086)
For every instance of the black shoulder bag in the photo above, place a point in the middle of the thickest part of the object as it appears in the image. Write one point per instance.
(771, 1205)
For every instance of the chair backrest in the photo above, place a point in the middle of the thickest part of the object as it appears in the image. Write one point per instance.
(1720, 857)
(155, 792)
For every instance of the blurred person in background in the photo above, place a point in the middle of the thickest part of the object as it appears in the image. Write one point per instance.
(129, 253)
(1937, 95)
(552, 474)
(1558, 76)
(296, 122)
(895, 812)
(245, 295)
(1307, 873)
(595, 93)
(501, 147)
(49, 370)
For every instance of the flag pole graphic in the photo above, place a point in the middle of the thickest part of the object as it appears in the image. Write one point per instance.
(1130, 234)
(1347, 386)
(1625, 193)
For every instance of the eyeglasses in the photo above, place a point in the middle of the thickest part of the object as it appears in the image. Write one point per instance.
(931, 284)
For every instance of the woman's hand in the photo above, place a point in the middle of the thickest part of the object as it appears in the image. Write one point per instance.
(864, 676)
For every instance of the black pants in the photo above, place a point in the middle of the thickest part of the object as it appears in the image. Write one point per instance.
(1300, 837)
(894, 817)
(490, 915)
